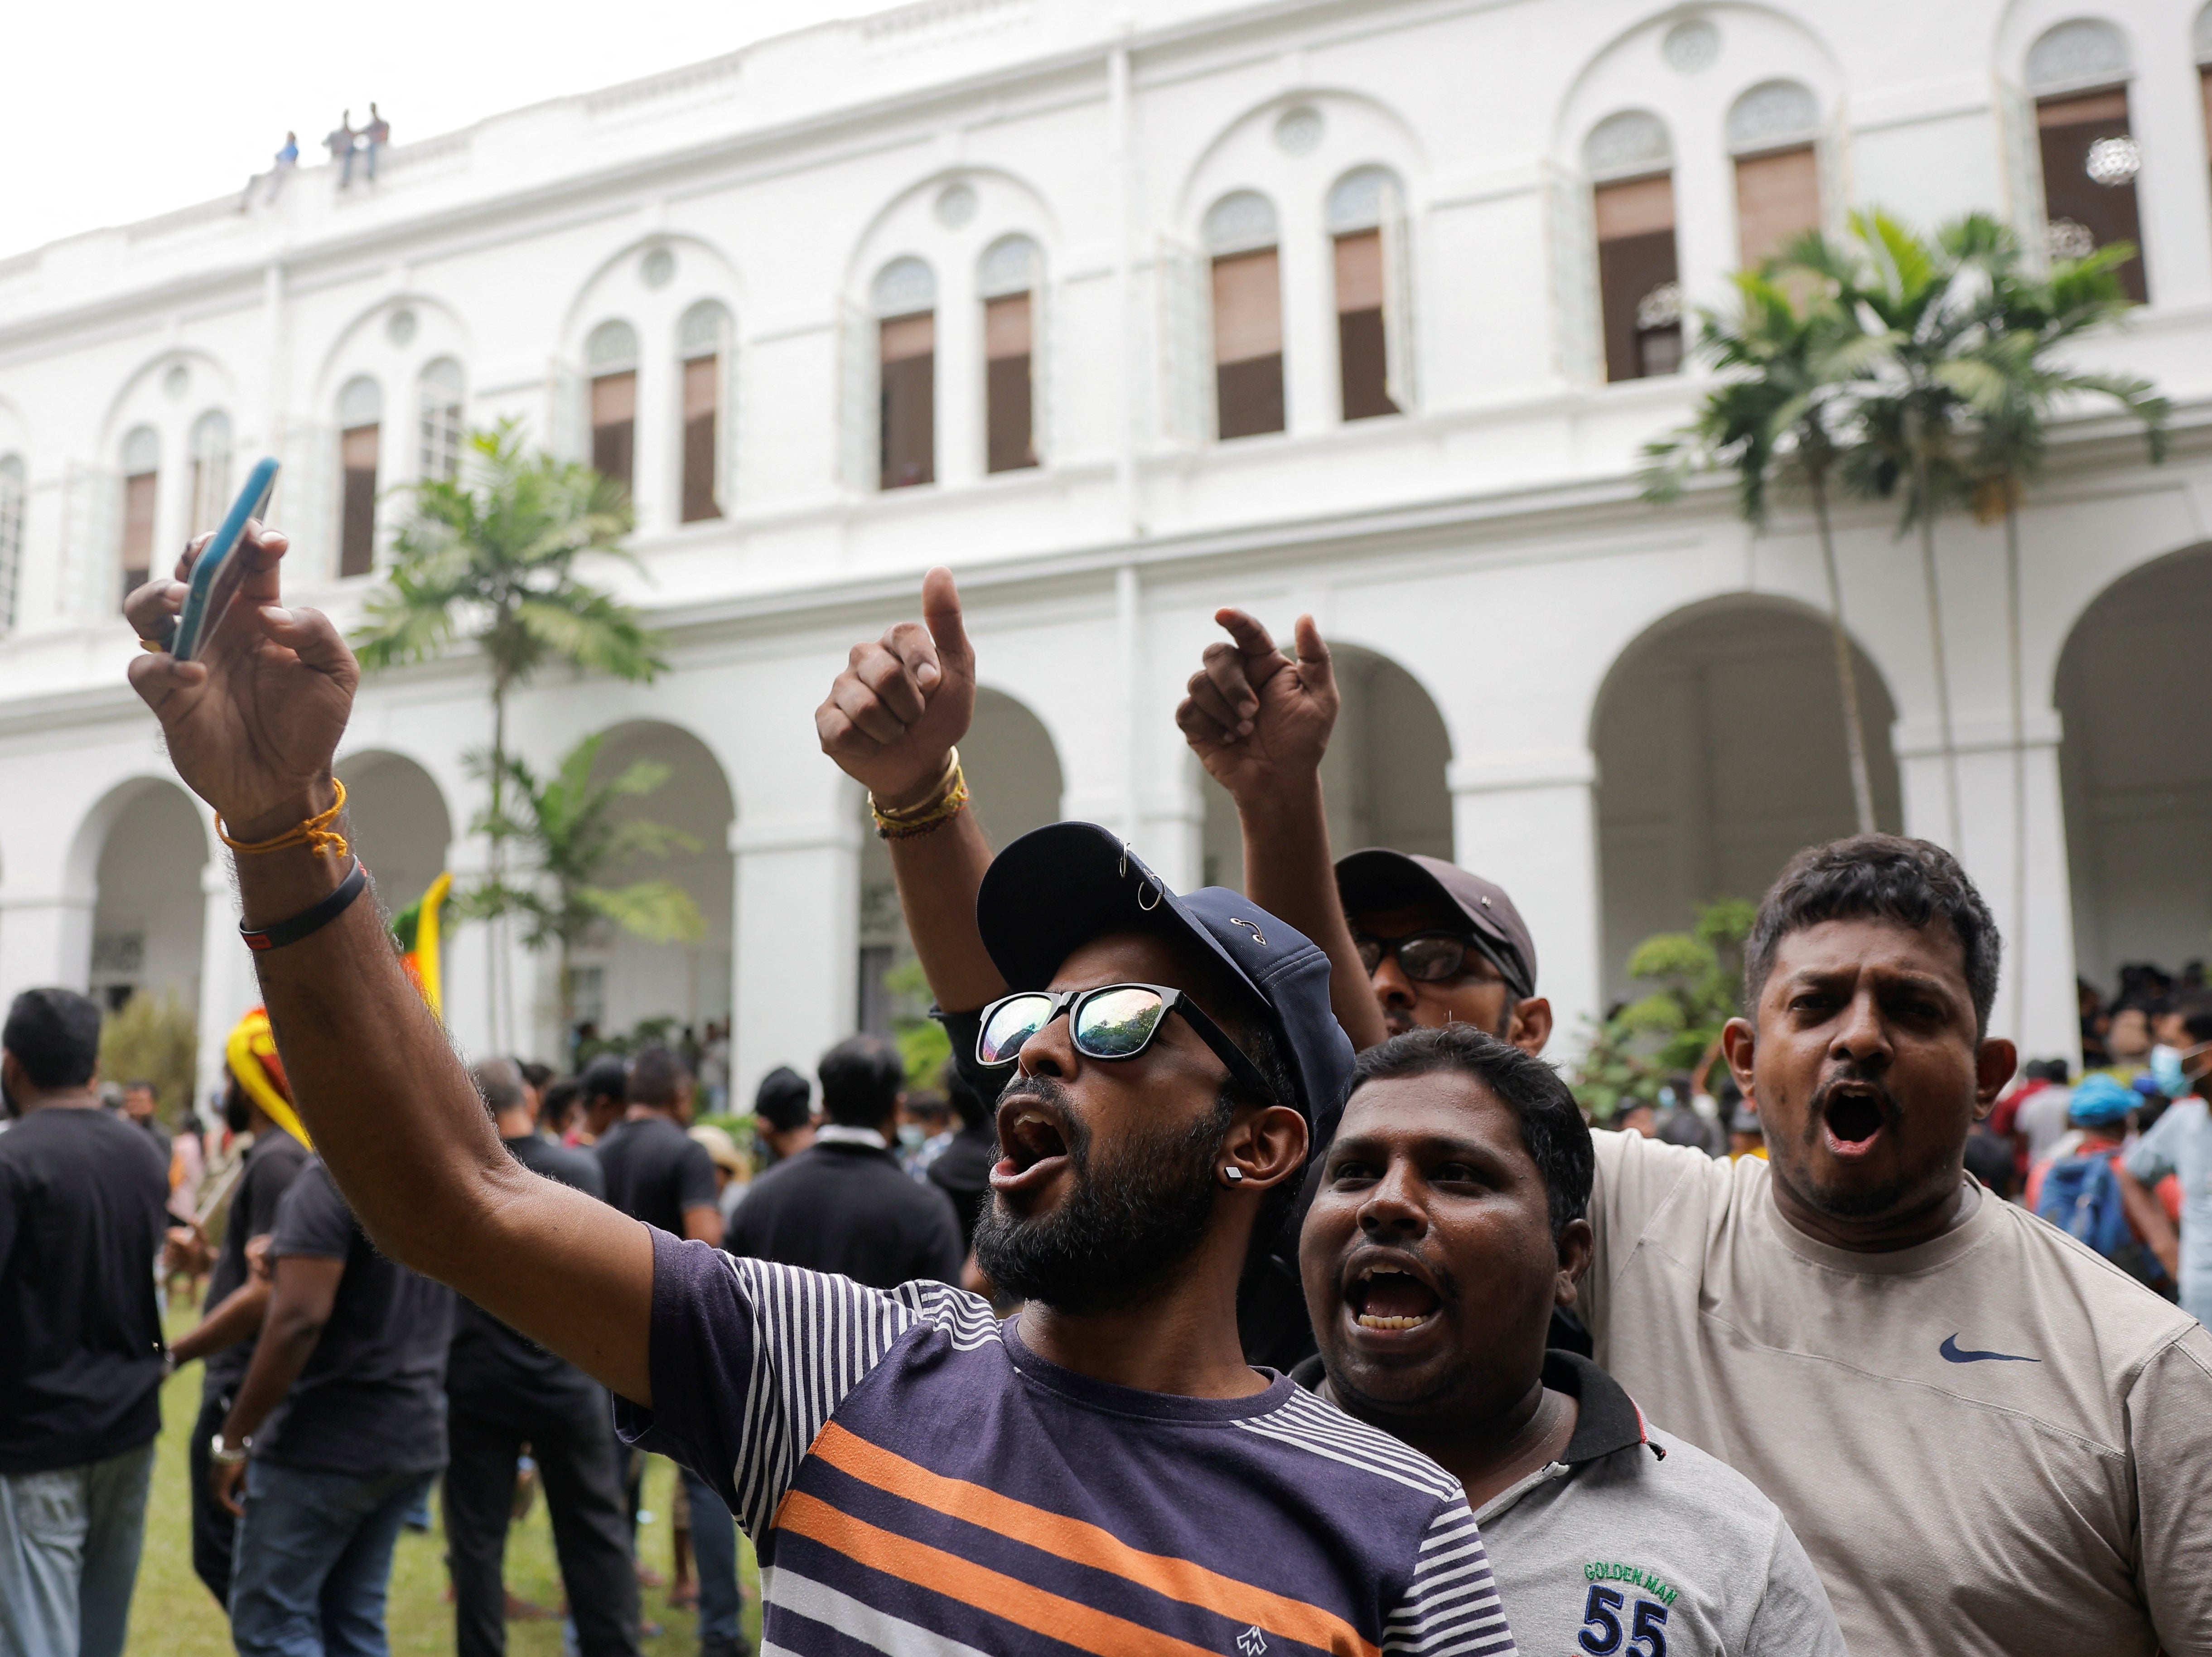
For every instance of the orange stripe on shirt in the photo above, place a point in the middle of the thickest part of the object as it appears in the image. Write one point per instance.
(1067, 1621)
(1087, 1543)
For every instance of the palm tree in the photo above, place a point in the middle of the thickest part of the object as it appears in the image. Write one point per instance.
(491, 554)
(1925, 302)
(2012, 385)
(1790, 361)
(567, 824)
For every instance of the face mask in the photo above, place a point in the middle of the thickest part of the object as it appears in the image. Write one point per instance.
(2166, 1071)
(913, 1135)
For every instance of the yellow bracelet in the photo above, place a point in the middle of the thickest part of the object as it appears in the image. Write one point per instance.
(948, 807)
(944, 802)
(314, 833)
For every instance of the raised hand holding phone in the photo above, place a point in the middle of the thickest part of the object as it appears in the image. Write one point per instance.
(216, 571)
(252, 720)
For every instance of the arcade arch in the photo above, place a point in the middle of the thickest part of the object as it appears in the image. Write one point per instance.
(145, 845)
(401, 826)
(1383, 778)
(623, 980)
(2135, 763)
(1013, 771)
(1719, 739)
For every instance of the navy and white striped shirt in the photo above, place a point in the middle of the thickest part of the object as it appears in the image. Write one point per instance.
(917, 1481)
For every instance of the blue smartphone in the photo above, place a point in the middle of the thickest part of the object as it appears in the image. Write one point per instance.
(218, 569)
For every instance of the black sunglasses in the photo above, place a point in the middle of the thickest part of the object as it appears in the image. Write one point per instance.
(1113, 1021)
(1431, 957)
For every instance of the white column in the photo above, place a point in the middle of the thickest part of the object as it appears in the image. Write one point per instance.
(2035, 1004)
(466, 989)
(797, 937)
(657, 462)
(960, 378)
(45, 938)
(1310, 396)
(229, 984)
(1529, 822)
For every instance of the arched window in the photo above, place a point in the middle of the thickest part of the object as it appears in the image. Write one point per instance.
(2078, 74)
(1771, 131)
(905, 303)
(1629, 162)
(12, 494)
(1008, 278)
(211, 462)
(438, 391)
(1248, 315)
(703, 344)
(360, 425)
(611, 357)
(142, 468)
(1364, 223)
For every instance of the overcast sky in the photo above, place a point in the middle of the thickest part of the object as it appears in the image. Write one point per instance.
(111, 112)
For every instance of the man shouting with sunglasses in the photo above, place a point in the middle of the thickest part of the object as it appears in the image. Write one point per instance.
(1103, 1474)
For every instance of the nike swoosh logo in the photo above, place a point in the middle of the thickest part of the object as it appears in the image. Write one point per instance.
(1949, 1349)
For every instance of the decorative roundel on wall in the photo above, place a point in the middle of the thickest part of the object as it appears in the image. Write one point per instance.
(399, 328)
(658, 268)
(956, 205)
(1691, 46)
(177, 381)
(1299, 132)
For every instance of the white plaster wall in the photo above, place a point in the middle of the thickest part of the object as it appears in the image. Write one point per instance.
(1488, 543)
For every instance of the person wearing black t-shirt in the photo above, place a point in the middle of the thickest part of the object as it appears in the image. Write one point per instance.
(83, 1197)
(343, 1411)
(237, 1300)
(503, 1392)
(963, 1170)
(657, 1172)
(843, 1204)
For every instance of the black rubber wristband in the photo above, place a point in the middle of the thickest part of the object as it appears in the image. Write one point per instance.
(262, 939)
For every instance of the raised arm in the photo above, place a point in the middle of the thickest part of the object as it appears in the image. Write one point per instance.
(1260, 723)
(891, 721)
(250, 728)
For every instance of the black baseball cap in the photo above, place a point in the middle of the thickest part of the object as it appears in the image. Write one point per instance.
(1057, 888)
(1379, 879)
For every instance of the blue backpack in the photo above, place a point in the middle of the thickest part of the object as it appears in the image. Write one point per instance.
(2080, 1196)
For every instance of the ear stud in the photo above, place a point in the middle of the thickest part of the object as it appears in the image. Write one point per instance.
(1233, 1175)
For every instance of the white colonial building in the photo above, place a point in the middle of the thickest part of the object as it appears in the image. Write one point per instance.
(1126, 312)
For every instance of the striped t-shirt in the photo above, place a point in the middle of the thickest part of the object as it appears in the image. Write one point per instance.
(916, 1481)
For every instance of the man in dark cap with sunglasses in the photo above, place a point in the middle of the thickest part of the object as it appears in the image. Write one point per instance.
(1437, 944)
(1104, 1471)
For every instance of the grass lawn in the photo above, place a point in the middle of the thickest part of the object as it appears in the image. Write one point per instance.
(172, 1614)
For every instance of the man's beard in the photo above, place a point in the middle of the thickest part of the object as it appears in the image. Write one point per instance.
(1119, 1232)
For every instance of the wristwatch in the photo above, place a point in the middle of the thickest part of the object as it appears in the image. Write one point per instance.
(223, 1456)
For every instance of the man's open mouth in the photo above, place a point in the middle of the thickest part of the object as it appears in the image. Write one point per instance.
(1852, 1115)
(1032, 1144)
(1385, 1296)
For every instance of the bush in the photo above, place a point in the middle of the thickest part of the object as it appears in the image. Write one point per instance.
(1676, 1030)
(153, 1039)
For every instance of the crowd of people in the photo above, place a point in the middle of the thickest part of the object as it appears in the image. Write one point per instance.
(1254, 1285)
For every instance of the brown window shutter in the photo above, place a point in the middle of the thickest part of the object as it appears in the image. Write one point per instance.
(1362, 348)
(1635, 256)
(358, 448)
(2066, 128)
(702, 396)
(1009, 418)
(1248, 343)
(1778, 199)
(614, 425)
(139, 490)
(907, 390)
